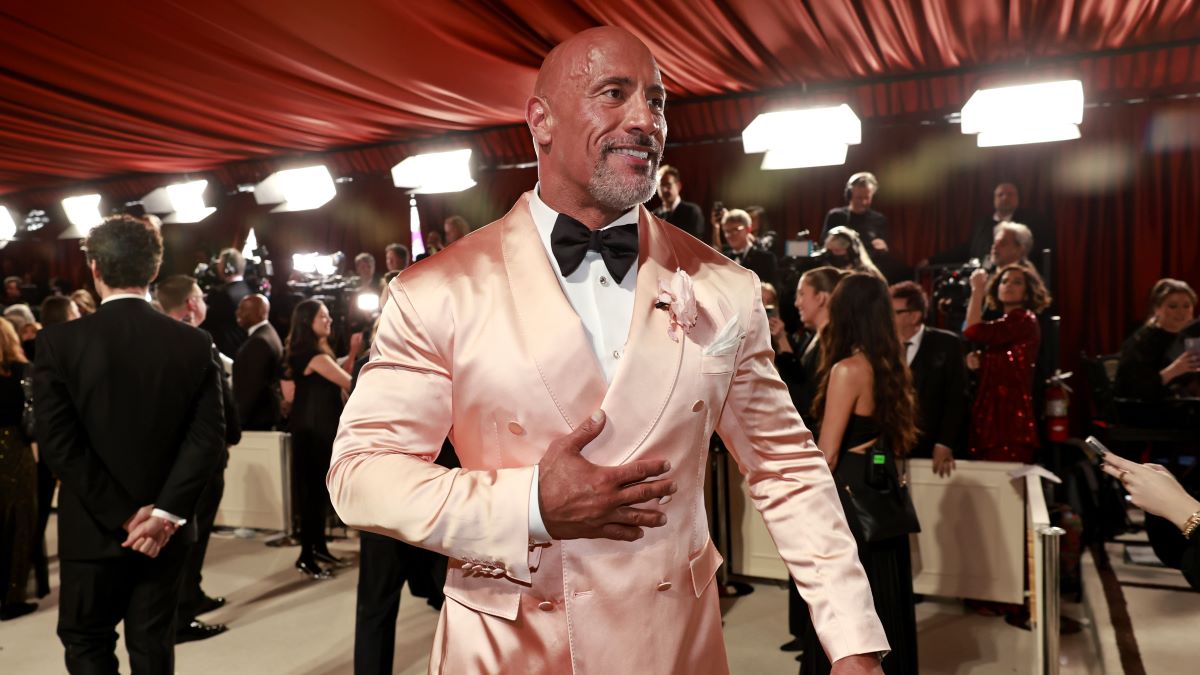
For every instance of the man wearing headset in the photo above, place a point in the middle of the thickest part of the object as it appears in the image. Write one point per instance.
(858, 215)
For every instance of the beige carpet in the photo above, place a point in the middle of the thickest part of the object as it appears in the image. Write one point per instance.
(281, 622)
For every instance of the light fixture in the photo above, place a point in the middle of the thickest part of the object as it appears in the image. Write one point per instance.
(84, 213)
(184, 202)
(435, 172)
(414, 228)
(368, 302)
(1027, 113)
(296, 189)
(251, 245)
(316, 263)
(806, 137)
(8, 227)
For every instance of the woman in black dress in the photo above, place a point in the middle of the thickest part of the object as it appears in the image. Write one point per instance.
(321, 385)
(18, 480)
(1145, 372)
(865, 401)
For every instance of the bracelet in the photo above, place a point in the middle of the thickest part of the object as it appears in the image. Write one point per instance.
(1190, 525)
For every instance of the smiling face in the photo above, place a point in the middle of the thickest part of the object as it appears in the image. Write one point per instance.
(1174, 312)
(322, 323)
(812, 304)
(597, 120)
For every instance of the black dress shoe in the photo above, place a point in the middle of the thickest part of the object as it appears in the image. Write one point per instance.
(795, 645)
(198, 630)
(14, 610)
(312, 570)
(330, 559)
(208, 604)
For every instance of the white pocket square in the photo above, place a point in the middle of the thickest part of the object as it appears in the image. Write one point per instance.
(727, 339)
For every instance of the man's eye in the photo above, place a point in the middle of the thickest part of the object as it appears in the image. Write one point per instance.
(612, 93)
(658, 103)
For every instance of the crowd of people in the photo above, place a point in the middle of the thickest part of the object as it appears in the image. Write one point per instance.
(134, 403)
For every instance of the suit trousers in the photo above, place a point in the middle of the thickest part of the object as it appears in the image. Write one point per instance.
(143, 592)
(384, 565)
(206, 515)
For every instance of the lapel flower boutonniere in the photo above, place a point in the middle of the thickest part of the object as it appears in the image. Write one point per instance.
(679, 299)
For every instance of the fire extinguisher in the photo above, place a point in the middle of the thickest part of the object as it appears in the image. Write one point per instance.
(1058, 396)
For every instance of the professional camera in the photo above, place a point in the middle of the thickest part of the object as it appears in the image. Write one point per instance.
(952, 286)
(257, 274)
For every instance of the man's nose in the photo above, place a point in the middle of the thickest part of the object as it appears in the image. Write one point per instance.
(642, 117)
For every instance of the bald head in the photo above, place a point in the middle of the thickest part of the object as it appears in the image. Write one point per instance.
(596, 116)
(252, 310)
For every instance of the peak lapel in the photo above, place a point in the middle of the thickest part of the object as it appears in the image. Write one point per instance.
(646, 377)
(550, 328)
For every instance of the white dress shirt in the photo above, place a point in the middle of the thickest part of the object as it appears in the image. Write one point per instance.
(913, 344)
(605, 309)
(157, 513)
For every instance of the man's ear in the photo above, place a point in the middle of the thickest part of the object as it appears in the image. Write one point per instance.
(95, 270)
(537, 115)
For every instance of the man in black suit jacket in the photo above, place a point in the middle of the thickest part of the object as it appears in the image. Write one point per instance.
(936, 359)
(684, 215)
(222, 302)
(258, 366)
(1006, 200)
(181, 299)
(736, 228)
(129, 418)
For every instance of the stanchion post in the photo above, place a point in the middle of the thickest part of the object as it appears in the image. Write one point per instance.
(1051, 607)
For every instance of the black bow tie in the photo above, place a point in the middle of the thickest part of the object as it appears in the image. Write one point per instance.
(570, 240)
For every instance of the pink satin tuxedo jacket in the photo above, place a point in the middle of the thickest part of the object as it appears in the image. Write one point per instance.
(480, 343)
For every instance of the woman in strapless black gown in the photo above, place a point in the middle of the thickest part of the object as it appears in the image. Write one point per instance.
(865, 400)
(321, 385)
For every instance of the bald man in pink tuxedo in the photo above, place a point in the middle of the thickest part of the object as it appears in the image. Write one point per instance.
(580, 352)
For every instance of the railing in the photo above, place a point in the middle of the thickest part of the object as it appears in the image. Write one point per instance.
(1044, 603)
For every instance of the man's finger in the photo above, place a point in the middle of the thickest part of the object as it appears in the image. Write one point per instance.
(627, 515)
(644, 492)
(586, 432)
(621, 532)
(636, 472)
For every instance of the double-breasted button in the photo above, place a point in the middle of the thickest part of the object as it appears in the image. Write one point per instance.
(664, 586)
(698, 406)
(516, 429)
(546, 606)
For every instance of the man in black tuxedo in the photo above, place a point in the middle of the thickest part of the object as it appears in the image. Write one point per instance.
(258, 367)
(736, 228)
(1006, 203)
(129, 418)
(181, 298)
(687, 216)
(936, 359)
(222, 303)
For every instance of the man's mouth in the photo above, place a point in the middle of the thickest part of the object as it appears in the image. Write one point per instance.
(638, 154)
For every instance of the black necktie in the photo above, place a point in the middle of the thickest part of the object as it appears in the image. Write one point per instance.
(571, 240)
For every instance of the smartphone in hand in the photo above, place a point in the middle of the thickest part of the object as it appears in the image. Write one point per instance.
(1097, 447)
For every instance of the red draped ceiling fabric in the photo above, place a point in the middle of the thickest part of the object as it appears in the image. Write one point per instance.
(94, 89)
(129, 96)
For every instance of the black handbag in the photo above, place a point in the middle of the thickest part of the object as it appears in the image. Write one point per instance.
(880, 502)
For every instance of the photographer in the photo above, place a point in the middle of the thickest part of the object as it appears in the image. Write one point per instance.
(845, 251)
(858, 215)
(223, 300)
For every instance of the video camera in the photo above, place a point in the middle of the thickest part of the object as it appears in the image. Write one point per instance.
(952, 285)
(257, 275)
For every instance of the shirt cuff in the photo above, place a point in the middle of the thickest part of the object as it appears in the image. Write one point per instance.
(169, 517)
(537, 528)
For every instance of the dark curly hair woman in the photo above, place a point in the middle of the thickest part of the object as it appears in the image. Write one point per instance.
(1003, 427)
(865, 403)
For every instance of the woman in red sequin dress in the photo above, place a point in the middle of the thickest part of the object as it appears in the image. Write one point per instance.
(1003, 427)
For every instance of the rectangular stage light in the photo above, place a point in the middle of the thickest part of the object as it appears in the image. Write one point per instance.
(1027, 113)
(802, 138)
(435, 172)
(296, 189)
(84, 213)
(181, 202)
(8, 226)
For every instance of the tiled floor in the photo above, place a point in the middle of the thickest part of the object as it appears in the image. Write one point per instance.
(282, 623)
